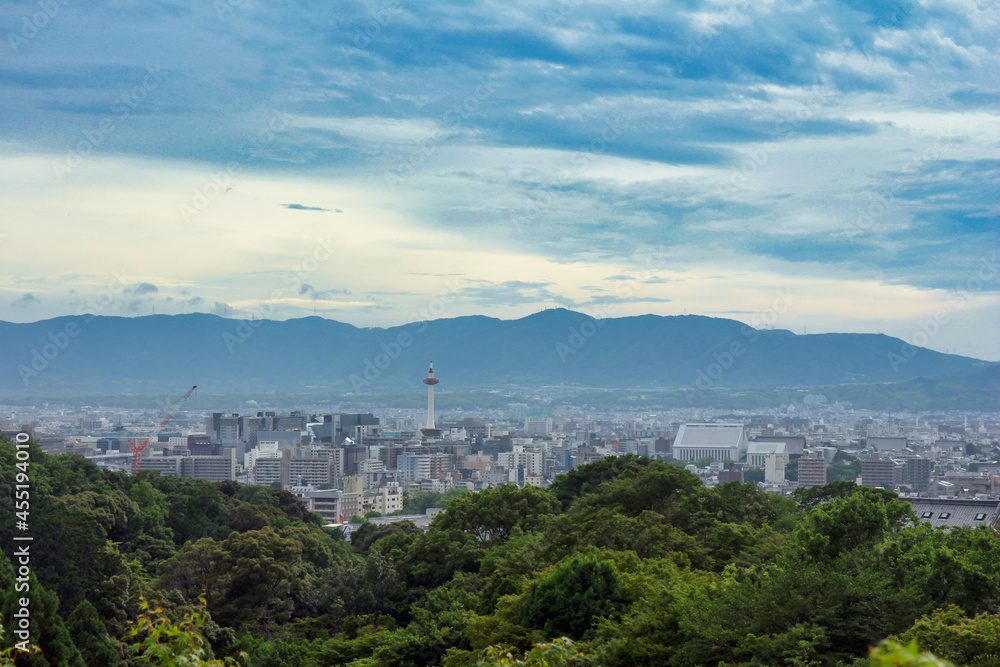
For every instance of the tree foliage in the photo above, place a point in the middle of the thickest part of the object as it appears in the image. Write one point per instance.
(492, 514)
(569, 600)
(631, 558)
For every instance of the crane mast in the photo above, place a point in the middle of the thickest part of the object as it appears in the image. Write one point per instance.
(138, 447)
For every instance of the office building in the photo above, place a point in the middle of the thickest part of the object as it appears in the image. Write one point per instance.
(812, 468)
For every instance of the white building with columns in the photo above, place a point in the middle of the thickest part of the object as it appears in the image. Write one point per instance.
(719, 441)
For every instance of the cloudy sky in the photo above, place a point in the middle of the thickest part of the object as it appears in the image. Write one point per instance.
(385, 161)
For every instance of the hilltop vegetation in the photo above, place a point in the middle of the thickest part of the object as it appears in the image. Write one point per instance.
(700, 355)
(631, 560)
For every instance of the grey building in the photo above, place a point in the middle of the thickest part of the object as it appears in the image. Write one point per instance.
(949, 512)
(917, 473)
(334, 428)
(794, 444)
(882, 444)
(718, 441)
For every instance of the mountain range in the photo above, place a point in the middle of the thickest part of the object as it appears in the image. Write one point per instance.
(79, 355)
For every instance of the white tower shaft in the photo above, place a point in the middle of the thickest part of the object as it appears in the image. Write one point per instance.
(430, 406)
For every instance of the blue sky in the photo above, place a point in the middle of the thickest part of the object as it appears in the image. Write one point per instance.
(372, 161)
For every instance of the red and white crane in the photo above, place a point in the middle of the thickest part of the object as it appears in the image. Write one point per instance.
(138, 447)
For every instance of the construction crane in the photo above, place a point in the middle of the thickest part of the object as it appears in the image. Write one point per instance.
(138, 447)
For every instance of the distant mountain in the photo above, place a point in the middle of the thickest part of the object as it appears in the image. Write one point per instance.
(165, 354)
(979, 391)
(976, 391)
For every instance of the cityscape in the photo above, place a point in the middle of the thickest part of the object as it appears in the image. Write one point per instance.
(520, 333)
(351, 466)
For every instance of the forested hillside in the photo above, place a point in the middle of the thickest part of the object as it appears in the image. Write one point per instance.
(159, 353)
(632, 560)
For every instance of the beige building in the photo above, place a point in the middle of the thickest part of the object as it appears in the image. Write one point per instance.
(812, 468)
(350, 505)
(879, 472)
(281, 468)
(384, 500)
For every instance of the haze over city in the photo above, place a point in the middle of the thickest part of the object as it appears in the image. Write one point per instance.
(387, 162)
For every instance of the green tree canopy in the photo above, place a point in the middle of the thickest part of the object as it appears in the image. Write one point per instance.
(588, 478)
(490, 515)
(90, 636)
(567, 601)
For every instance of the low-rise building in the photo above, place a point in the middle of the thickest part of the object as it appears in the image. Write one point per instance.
(950, 512)
(717, 441)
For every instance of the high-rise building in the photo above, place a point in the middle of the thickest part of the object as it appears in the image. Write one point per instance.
(414, 467)
(326, 504)
(224, 428)
(210, 468)
(538, 426)
(530, 461)
(774, 468)
(916, 473)
(730, 475)
(812, 468)
(281, 468)
(335, 428)
(201, 444)
(878, 472)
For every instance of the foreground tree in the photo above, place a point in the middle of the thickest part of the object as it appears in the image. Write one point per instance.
(492, 514)
(572, 597)
(163, 643)
(91, 637)
(48, 633)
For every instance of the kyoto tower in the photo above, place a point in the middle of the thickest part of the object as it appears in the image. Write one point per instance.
(430, 431)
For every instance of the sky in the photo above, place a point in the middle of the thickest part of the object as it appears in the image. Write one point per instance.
(815, 165)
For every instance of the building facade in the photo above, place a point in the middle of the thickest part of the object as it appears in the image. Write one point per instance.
(717, 441)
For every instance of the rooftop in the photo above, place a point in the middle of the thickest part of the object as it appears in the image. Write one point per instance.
(949, 512)
(710, 435)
